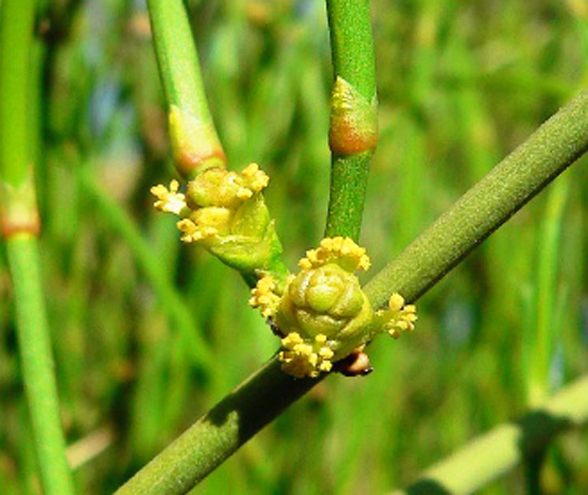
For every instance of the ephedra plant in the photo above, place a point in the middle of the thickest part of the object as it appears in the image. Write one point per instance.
(323, 318)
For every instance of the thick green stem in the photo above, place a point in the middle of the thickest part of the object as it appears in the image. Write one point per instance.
(514, 181)
(212, 439)
(486, 206)
(37, 364)
(488, 457)
(353, 130)
(194, 138)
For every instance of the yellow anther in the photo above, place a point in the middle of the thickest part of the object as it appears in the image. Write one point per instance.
(169, 200)
(263, 296)
(302, 358)
(398, 317)
(396, 302)
(340, 250)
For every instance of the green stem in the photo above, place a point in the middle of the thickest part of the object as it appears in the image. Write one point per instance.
(488, 457)
(542, 341)
(37, 364)
(18, 209)
(20, 225)
(353, 132)
(486, 206)
(218, 434)
(194, 138)
(16, 39)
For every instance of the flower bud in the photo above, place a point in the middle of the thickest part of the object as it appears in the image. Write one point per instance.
(325, 301)
(324, 316)
(226, 213)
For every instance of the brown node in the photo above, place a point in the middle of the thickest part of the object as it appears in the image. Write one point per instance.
(356, 364)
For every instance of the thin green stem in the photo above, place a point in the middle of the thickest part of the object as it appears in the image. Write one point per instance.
(194, 137)
(353, 130)
(543, 338)
(16, 39)
(37, 364)
(18, 211)
(352, 45)
(490, 456)
(20, 225)
(486, 206)
(481, 211)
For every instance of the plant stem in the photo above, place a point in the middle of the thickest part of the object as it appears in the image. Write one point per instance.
(514, 181)
(486, 206)
(16, 39)
(353, 132)
(194, 138)
(20, 225)
(541, 343)
(213, 438)
(37, 363)
(488, 457)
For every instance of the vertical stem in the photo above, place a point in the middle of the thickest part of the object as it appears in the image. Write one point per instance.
(16, 41)
(542, 341)
(20, 226)
(194, 138)
(353, 131)
(37, 364)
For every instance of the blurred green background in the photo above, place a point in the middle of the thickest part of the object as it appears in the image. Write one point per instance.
(460, 85)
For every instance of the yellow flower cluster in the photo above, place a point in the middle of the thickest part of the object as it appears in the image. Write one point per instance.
(322, 313)
(211, 202)
(340, 250)
(398, 317)
(301, 358)
(169, 200)
(264, 296)
(225, 212)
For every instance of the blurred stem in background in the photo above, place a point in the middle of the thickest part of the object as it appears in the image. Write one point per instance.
(486, 458)
(353, 131)
(484, 208)
(543, 330)
(178, 312)
(20, 226)
(541, 339)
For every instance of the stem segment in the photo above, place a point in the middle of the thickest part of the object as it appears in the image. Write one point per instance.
(37, 364)
(194, 138)
(20, 225)
(353, 131)
(213, 438)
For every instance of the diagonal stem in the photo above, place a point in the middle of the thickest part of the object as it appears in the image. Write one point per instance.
(262, 397)
(486, 206)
